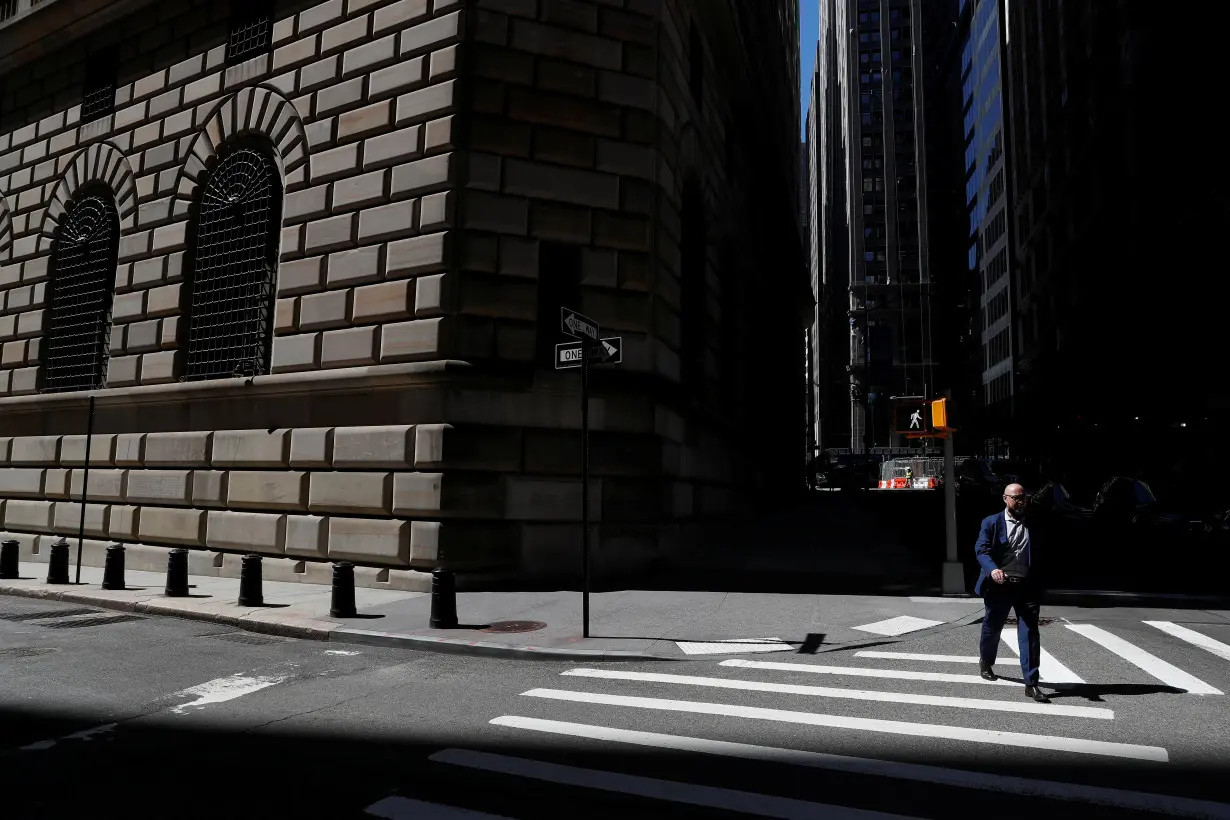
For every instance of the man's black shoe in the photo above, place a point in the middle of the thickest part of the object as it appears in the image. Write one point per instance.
(987, 673)
(1034, 693)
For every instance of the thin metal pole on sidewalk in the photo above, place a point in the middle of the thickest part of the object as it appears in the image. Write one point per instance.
(585, 485)
(85, 485)
(953, 577)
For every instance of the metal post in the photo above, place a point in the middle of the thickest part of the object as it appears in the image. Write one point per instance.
(443, 613)
(585, 486)
(954, 573)
(9, 559)
(177, 573)
(342, 604)
(113, 568)
(85, 484)
(250, 591)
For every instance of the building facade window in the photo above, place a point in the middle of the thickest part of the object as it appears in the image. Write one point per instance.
(98, 95)
(83, 262)
(251, 30)
(234, 260)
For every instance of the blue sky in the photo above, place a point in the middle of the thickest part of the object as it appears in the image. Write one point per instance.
(809, 29)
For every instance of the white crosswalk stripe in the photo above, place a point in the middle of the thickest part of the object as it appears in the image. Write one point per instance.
(761, 805)
(856, 671)
(1005, 784)
(1193, 637)
(1165, 672)
(895, 727)
(1048, 710)
(406, 808)
(614, 695)
(1050, 670)
(915, 656)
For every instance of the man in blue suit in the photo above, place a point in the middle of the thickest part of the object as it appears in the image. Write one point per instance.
(1006, 548)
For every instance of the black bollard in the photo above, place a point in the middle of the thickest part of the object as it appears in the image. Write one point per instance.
(9, 557)
(443, 600)
(250, 593)
(113, 569)
(57, 564)
(177, 574)
(342, 605)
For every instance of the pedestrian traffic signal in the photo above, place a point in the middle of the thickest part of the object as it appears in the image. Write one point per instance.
(912, 419)
(939, 414)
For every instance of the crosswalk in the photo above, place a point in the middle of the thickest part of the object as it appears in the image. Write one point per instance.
(715, 709)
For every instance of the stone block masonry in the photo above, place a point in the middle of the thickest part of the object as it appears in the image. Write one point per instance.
(345, 98)
(444, 165)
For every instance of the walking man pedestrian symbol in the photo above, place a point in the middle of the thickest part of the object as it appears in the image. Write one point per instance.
(916, 420)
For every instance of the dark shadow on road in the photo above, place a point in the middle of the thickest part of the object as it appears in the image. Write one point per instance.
(812, 643)
(186, 766)
(869, 645)
(1095, 691)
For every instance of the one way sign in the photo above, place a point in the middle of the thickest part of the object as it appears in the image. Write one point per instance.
(607, 351)
(577, 326)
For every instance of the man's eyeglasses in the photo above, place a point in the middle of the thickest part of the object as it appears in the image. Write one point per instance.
(1017, 497)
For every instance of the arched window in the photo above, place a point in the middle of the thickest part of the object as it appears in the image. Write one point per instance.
(234, 265)
(83, 258)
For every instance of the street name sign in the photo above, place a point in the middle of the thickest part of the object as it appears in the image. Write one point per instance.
(577, 326)
(607, 351)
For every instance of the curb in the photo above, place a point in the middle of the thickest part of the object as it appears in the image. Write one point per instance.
(1058, 596)
(144, 608)
(423, 643)
(456, 646)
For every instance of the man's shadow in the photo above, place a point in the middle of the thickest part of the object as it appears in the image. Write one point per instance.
(1093, 692)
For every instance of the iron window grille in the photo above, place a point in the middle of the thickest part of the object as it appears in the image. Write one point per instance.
(83, 262)
(98, 96)
(251, 30)
(234, 266)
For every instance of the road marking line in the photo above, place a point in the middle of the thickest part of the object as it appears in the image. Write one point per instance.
(898, 626)
(1193, 637)
(403, 808)
(761, 805)
(1050, 670)
(221, 690)
(934, 599)
(735, 645)
(892, 727)
(1155, 666)
(343, 652)
(862, 672)
(915, 656)
(848, 694)
(1008, 784)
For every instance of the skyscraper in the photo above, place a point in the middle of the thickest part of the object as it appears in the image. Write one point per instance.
(987, 200)
(1115, 246)
(871, 142)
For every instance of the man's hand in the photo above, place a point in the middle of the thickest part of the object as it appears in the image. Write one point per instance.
(997, 575)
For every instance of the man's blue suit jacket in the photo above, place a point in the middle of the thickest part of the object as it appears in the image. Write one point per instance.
(992, 548)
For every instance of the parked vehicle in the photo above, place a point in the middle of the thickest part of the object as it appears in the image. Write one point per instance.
(1129, 502)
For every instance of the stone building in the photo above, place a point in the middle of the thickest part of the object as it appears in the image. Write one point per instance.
(305, 263)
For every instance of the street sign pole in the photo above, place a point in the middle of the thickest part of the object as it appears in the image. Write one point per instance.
(582, 327)
(585, 487)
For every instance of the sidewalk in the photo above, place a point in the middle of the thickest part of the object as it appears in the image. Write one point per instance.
(625, 625)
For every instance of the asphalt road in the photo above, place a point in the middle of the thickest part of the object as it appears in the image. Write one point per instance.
(104, 714)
